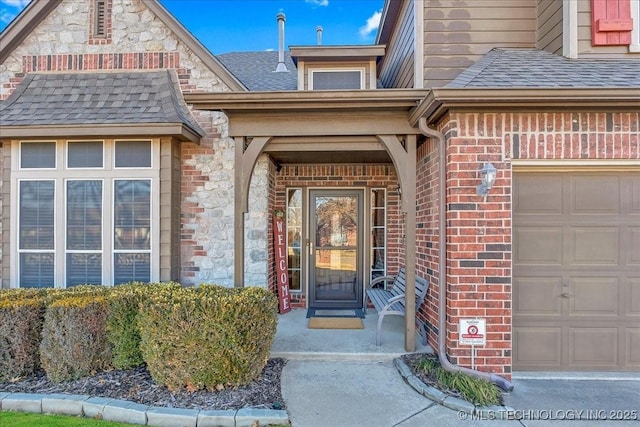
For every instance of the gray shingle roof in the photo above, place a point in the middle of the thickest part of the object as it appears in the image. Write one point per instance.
(97, 98)
(256, 70)
(536, 68)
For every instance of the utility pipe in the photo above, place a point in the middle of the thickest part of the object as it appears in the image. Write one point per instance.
(501, 382)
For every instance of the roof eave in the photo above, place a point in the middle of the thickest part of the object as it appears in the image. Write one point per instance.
(297, 100)
(440, 100)
(176, 130)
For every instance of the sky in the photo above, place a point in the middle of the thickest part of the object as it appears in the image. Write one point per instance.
(251, 25)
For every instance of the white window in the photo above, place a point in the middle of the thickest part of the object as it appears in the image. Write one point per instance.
(336, 79)
(81, 221)
(635, 33)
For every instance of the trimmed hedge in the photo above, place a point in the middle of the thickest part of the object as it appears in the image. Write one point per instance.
(74, 336)
(122, 324)
(21, 319)
(207, 337)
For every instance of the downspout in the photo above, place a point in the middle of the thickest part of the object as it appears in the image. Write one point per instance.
(501, 382)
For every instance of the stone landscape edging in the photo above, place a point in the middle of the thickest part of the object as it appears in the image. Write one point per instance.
(134, 413)
(451, 402)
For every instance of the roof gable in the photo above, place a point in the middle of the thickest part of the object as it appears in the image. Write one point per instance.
(37, 11)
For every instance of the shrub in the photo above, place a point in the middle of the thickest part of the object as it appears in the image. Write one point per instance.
(207, 337)
(122, 323)
(21, 318)
(74, 337)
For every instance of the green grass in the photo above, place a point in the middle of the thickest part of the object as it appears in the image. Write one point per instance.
(474, 390)
(21, 419)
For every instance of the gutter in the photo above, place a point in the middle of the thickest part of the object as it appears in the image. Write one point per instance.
(501, 382)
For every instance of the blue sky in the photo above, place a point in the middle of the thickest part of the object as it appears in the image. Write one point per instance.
(250, 25)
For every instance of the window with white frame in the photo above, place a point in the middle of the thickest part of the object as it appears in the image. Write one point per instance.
(336, 79)
(85, 212)
(635, 33)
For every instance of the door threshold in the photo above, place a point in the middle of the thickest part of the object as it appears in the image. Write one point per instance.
(335, 312)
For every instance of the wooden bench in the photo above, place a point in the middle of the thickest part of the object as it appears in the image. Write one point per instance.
(390, 300)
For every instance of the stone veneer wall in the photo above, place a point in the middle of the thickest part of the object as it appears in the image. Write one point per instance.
(344, 176)
(140, 41)
(479, 238)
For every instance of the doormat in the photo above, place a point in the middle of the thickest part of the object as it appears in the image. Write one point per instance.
(335, 323)
(326, 312)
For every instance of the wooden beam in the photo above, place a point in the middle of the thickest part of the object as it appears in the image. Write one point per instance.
(404, 159)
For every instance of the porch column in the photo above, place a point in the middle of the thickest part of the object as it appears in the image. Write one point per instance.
(245, 162)
(404, 159)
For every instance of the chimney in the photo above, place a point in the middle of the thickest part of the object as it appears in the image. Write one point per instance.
(319, 31)
(281, 67)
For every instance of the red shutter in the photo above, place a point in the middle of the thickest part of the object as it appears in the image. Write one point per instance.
(611, 22)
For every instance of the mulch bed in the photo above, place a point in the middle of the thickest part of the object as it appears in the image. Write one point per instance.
(136, 385)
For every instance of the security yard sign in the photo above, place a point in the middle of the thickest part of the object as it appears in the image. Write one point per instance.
(472, 332)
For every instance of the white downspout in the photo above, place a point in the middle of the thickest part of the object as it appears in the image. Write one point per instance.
(501, 382)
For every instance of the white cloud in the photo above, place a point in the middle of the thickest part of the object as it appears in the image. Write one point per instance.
(16, 4)
(318, 2)
(372, 24)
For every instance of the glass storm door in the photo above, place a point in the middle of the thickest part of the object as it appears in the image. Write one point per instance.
(335, 279)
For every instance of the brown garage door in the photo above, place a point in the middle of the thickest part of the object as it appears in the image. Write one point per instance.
(576, 269)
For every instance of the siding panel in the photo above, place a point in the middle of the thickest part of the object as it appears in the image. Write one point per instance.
(398, 69)
(549, 31)
(466, 30)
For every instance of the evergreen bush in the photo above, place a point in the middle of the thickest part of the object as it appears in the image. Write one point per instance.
(21, 319)
(74, 336)
(207, 337)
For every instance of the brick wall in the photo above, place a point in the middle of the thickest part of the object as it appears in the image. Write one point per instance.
(343, 176)
(479, 252)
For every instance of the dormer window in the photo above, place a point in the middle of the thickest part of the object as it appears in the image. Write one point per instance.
(336, 79)
(337, 67)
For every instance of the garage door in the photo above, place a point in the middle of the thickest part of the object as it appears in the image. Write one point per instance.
(576, 270)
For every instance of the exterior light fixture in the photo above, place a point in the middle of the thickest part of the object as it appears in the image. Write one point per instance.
(487, 179)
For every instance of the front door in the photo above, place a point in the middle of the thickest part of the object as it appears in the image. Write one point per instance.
(335, 277)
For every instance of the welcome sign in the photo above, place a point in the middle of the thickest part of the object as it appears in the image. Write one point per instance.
(282, 271)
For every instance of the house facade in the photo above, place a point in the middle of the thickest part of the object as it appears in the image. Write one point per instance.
(132, 153)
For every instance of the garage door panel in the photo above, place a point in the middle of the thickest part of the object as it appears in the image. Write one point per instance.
(593, 348)
(633, 254)
(633, 297)
(539, 246)
(538, 195)
(594, 296)
(633, 199)
(594, 245)
(577, 271)
(632, 347)
(538, 296)
(538, 347)
(595, 195)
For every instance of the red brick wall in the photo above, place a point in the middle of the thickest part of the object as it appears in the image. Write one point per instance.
(343, 176)
(479, 231)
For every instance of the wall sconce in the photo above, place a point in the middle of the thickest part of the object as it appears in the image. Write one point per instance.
(487, 178)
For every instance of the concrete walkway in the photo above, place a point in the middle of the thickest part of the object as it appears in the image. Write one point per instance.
(340, 378)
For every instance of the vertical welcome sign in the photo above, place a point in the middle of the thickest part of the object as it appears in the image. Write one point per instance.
(282, 272)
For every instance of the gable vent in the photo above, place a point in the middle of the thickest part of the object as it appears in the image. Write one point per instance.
(101, 19)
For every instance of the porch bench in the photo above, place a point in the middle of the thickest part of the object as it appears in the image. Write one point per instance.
(390, 300)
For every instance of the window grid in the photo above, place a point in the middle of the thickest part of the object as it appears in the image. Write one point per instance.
(294, 238)
(78, 259)
(378, 233)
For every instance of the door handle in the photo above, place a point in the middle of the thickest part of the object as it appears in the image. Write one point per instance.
(566, 295)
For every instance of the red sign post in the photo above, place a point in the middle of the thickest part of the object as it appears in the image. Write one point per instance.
(282, 272)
